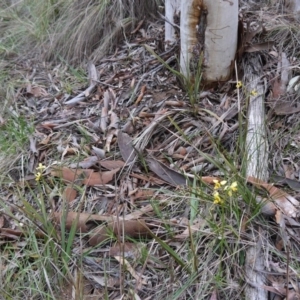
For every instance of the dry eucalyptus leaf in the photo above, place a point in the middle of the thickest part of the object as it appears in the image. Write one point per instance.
(285, 108)
(69, 193)
(104, 119)
(88, 162)
(83, 221)
(126, 148)
(109, 138)
(148, 178)
(278, 88)
(87, 176)
(112, 164)
(141, 194)
(288, 204)
(172, 177)
(130, 228)
(14, 234)
(100, 153)
(127, 249)
(114, 120)
(36, 91)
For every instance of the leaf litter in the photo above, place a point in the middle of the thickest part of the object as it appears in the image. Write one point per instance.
(129, 143)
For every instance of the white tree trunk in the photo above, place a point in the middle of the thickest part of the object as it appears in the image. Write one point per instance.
(172, 8)
(294, 7)
(187, 37)
(208, 29)
(221, 37)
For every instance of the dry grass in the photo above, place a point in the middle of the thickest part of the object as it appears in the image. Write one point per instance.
(73, 30)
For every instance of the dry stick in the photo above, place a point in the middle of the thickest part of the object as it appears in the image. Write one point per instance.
(93, 78)
(70, 123)
(141, 95)
(257, 166)
(138, 27)
(82, 95)
(287, 271)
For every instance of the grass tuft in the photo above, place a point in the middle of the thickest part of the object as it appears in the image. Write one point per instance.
(73, 30)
